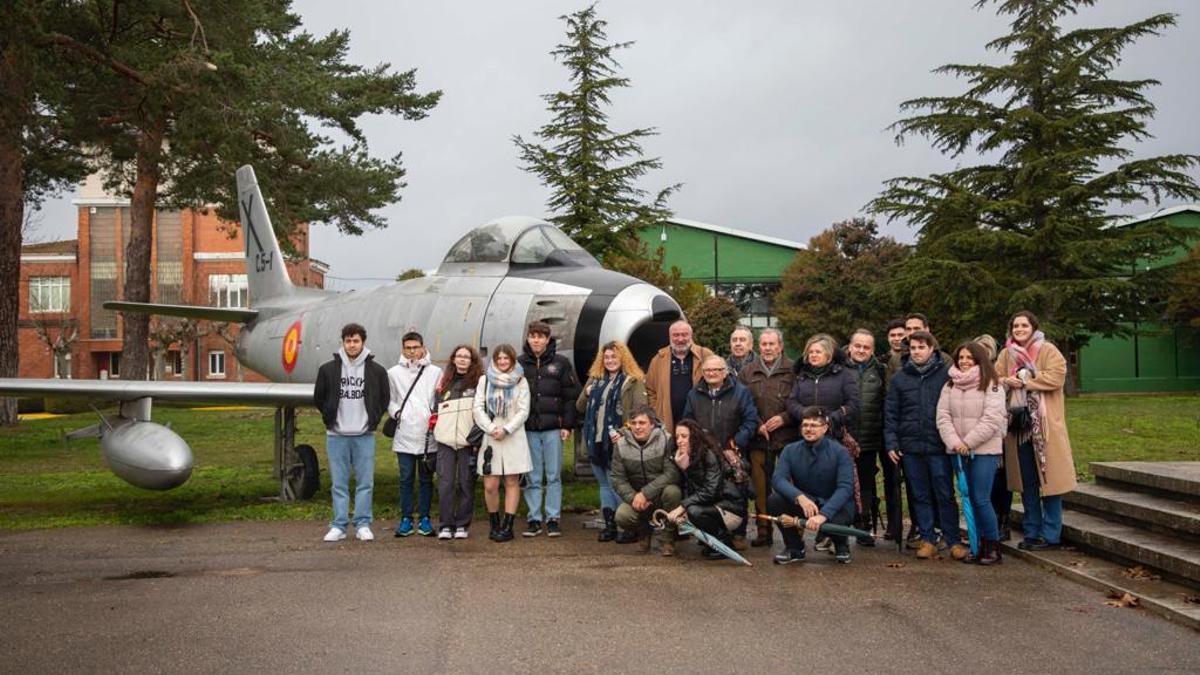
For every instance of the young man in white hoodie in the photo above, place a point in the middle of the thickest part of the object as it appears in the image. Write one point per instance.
(413, 384)
(352, 394)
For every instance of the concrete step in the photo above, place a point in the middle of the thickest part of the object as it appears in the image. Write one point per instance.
(1178, 558)
(1172, 601)
(1165, 515)
(1175, 479)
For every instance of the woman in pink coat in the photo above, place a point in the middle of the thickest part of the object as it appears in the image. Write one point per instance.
(971, 418)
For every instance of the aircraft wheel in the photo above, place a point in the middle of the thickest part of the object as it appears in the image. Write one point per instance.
(304, 473)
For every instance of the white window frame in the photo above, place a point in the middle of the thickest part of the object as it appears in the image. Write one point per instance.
(49, 295)
(228, 290)
(216, 364)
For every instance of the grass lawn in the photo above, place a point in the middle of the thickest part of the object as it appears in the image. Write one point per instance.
(45, 483)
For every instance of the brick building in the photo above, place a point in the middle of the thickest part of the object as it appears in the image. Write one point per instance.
(197, 259)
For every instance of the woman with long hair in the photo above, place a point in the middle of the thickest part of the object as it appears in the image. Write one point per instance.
(1037, 450)
(1001, 496)
(616, 386)
(455, 401)
(711, 499)
(971, 419)
(501, 408)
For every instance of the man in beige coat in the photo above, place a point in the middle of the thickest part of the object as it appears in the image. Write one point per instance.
(673, 372)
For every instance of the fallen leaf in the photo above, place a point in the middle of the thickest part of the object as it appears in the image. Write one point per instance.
(1192, 599)
(895, 565)
(1123, 600)
(1078, 562)
(1140, 573)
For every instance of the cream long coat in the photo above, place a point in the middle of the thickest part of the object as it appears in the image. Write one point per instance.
(1060, 465)
(511, 454)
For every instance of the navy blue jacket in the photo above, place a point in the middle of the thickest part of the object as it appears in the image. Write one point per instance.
(910, 409)
(823, 472)
(730, 413)
(836, 391)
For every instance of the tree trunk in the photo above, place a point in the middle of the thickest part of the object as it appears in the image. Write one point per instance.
(135, 349)
(12, 218)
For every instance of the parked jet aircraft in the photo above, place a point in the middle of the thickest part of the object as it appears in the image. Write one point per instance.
(491, 284)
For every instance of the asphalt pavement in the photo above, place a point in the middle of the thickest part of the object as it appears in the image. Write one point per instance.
(239, 597)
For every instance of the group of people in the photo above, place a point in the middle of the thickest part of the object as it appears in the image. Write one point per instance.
(720, 442)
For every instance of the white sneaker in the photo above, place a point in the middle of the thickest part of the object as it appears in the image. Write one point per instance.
(444, 533)
(335, 534)
(460, 533)
(364, 533)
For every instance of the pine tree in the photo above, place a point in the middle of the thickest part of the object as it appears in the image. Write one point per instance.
(1028, 227)
(591, 170)
(184, 92)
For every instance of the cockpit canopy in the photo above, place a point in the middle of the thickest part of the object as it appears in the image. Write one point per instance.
(519, 241)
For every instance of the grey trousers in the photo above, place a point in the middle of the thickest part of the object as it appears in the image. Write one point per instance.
(456, 486)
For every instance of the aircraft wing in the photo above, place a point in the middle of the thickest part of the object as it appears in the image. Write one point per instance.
(233, 314)
(117, 390)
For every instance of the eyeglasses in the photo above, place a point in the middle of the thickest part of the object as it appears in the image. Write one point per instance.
(714, 370)
(813, 425)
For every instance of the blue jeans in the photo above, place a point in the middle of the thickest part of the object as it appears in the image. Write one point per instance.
(346, 453)
(1043, 515)
(546, 453)
(410, 464)
(981, 473)
(930, 476)
(608, 496)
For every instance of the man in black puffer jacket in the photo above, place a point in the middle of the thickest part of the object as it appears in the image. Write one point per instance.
(553, 388)
(868, 430)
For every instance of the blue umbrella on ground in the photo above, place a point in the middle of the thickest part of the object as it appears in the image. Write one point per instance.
(659, 519)
(968, 511)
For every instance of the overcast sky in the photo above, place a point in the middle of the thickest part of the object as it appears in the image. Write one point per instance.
(772, 114)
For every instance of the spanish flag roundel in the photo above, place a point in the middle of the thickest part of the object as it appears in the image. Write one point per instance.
(291, 347)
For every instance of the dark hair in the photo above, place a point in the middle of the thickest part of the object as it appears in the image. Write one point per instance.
(474, 371)
(894, 324)
(987, 373)
(505, 348)
(923, 336)
(354, 329)
(917, 315)
(412, 335)
(645, 410)
(701, 442)
(1033, 320)
(539, 328)
(815, 412)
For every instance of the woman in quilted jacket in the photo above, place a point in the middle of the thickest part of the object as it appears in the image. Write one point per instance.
(971, 418)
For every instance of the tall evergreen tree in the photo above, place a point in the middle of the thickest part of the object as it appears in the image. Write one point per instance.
(184, 92)
(593, 171)
(1028, 227)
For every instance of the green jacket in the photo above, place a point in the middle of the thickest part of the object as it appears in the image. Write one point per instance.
(643, 467)
(872, 389)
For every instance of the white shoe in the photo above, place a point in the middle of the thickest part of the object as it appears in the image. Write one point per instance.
(364, 533)
(460, 533)
(444, 533)
(335, 534)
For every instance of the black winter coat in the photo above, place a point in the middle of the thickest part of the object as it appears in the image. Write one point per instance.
(704, 483)
(910, 411)
(730, 414)
(328, 388)
(553, 388)
(872, 389)
(836, 391)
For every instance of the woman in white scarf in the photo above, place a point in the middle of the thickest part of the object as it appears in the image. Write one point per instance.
(501, 407)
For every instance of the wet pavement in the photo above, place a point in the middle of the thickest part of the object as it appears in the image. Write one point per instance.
(237, 597)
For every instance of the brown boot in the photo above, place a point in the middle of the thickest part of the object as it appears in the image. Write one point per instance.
(926, 551)
(739, 543)
(644, 540)
(666, 547)
(959, 552)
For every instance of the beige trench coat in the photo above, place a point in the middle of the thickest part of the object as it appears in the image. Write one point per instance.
(1060, 465)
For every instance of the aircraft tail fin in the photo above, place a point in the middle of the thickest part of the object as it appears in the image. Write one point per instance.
(265, 271)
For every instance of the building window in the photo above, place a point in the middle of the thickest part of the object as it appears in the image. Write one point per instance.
(49, 294)
(228, 290)
(62, 365)
(175, 363)
(114, 364)
(216, 364)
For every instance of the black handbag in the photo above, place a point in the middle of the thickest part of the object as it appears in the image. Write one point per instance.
(475, 436)
(389, 427)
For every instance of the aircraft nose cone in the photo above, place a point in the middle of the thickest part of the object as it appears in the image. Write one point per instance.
(148, 455)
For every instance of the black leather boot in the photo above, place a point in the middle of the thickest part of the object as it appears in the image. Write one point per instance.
(990, 555)
(610, 526)
(494, 519)
(506, 532)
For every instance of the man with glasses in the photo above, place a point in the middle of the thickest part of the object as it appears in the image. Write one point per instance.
(814, 480)
(413, 390)
(724, 407)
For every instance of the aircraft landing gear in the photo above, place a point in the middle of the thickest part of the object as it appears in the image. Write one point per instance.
(296, 466)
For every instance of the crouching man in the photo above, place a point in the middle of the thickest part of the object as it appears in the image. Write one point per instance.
(645, 479)
(813, 479)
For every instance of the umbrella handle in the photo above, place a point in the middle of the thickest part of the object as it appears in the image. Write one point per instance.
(659, 519)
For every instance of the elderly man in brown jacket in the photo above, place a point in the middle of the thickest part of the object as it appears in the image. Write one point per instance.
(673, 372)
(769, 377)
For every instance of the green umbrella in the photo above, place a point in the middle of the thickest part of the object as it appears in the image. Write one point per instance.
(826, 527)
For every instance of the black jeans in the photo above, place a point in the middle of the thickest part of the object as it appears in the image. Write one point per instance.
(709, 520)
(868, 469)
(456, 486)
(793, 539)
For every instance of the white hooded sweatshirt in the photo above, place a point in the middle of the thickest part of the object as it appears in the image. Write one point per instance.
(352, 403)
(413, 426)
